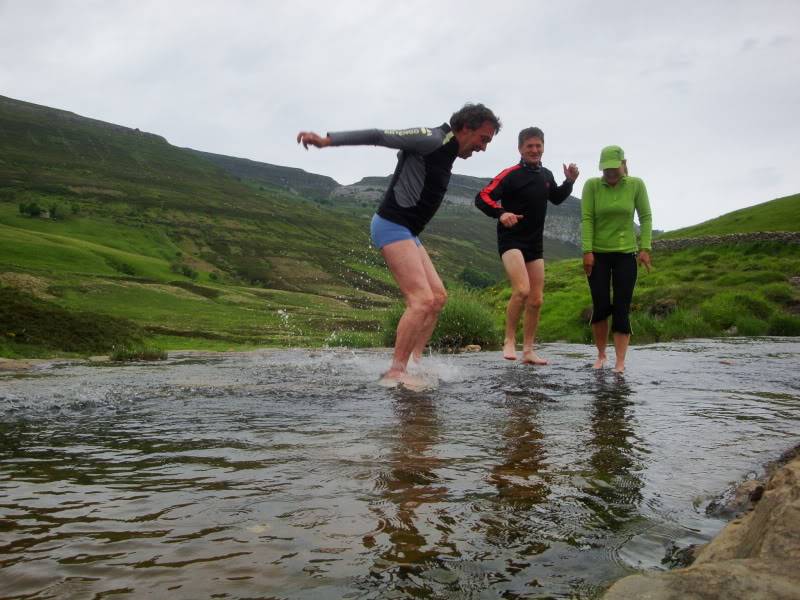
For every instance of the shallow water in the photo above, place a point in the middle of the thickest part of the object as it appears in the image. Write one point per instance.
(291, 474)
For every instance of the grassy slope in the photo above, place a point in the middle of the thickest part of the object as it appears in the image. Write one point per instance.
(781, 214)
(164, 247)
(742, 289)
(268, 267)
(189, 254)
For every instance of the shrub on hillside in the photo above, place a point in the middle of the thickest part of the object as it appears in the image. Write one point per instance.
(751, 326)
(30, 321)
(682, 324)
(723, 310)
(474, 278)
(782, 324)
(782, 293)
(464, 320)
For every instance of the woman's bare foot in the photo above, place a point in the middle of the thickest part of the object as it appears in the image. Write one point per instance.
(510, 350)
(600, 363)
(619, 368)
(529, 357)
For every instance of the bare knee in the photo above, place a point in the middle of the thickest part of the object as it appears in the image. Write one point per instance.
(423, 303)
(439, 300)
(520, 294)
(534, 302)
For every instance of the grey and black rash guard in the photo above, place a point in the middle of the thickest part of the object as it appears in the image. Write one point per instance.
(420, 179)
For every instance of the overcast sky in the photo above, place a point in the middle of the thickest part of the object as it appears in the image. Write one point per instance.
(704, 96)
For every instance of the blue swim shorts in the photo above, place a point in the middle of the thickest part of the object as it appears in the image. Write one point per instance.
(385, 232)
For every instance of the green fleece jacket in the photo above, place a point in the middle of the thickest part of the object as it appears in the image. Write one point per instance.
(607, 215)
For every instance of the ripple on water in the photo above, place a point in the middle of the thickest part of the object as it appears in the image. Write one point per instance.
(290, 473)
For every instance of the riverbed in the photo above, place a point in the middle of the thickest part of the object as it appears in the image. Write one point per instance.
(292, 474)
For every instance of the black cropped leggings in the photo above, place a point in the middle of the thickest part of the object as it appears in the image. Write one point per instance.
(617, 271)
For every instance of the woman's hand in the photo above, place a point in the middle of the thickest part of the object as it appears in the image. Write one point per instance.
(588, 263)
(644, 259)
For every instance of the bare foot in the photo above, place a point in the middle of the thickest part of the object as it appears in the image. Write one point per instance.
(418, 384)
(529, 357)
(600, 363)
(388, 382)
(619, 368)
(510, 350)
(393, 378)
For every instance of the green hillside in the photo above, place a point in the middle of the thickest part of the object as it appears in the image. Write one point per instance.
(781, 214)
(725, 287)
(99, 219)
(112, 237)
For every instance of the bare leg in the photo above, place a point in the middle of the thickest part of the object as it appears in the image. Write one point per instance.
(439, 300)
(600, 332)
(405, 261)
(514, 264)
(621, 341)
(533, 307)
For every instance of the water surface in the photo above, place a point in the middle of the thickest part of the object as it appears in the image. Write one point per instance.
(291, 474)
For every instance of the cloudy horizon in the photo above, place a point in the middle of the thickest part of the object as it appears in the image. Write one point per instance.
(702, 96)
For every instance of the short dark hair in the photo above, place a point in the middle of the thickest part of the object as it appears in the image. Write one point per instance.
(528, 133)
(473, 116)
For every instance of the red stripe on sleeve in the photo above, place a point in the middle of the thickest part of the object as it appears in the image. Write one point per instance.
(485, 193)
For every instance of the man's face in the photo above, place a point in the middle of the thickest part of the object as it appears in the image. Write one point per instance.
(531, 150)
(474, 140)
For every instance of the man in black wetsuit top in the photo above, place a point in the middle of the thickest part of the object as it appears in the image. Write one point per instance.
(424, 164)
(518, 199)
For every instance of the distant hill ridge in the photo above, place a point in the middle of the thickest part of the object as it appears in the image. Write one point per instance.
(56, 115)
(563, 221)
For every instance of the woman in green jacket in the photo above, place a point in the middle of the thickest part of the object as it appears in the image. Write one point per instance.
(610, 249)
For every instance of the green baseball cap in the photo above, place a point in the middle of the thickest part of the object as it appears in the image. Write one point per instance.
(611, 157)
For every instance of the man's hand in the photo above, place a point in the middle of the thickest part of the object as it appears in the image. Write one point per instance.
(588, 263)
(644, 259)
(571, 172)
(309, 138)
(510, 219)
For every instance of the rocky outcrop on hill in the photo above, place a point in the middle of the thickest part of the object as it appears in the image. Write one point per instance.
(754, 557)
(563, 221)
(788, 237)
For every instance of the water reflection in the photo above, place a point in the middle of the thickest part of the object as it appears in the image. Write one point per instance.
(615, 493)
(414, 529)
(283, 475)
(520, 477)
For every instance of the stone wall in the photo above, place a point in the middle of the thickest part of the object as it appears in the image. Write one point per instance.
(786, 237)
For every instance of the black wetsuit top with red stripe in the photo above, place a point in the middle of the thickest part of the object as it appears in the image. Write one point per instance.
(523, 190)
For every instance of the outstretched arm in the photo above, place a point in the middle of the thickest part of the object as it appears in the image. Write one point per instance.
(418, 139)
(309, 138)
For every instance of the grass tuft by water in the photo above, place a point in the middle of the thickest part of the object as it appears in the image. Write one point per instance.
(126, 354)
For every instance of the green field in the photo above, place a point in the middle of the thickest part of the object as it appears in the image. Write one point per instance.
(781, 214)
(111, 237)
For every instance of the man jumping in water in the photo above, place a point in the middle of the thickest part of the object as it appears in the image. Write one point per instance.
(417, 187)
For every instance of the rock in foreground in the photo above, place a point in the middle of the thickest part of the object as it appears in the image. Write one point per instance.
(754, 557)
